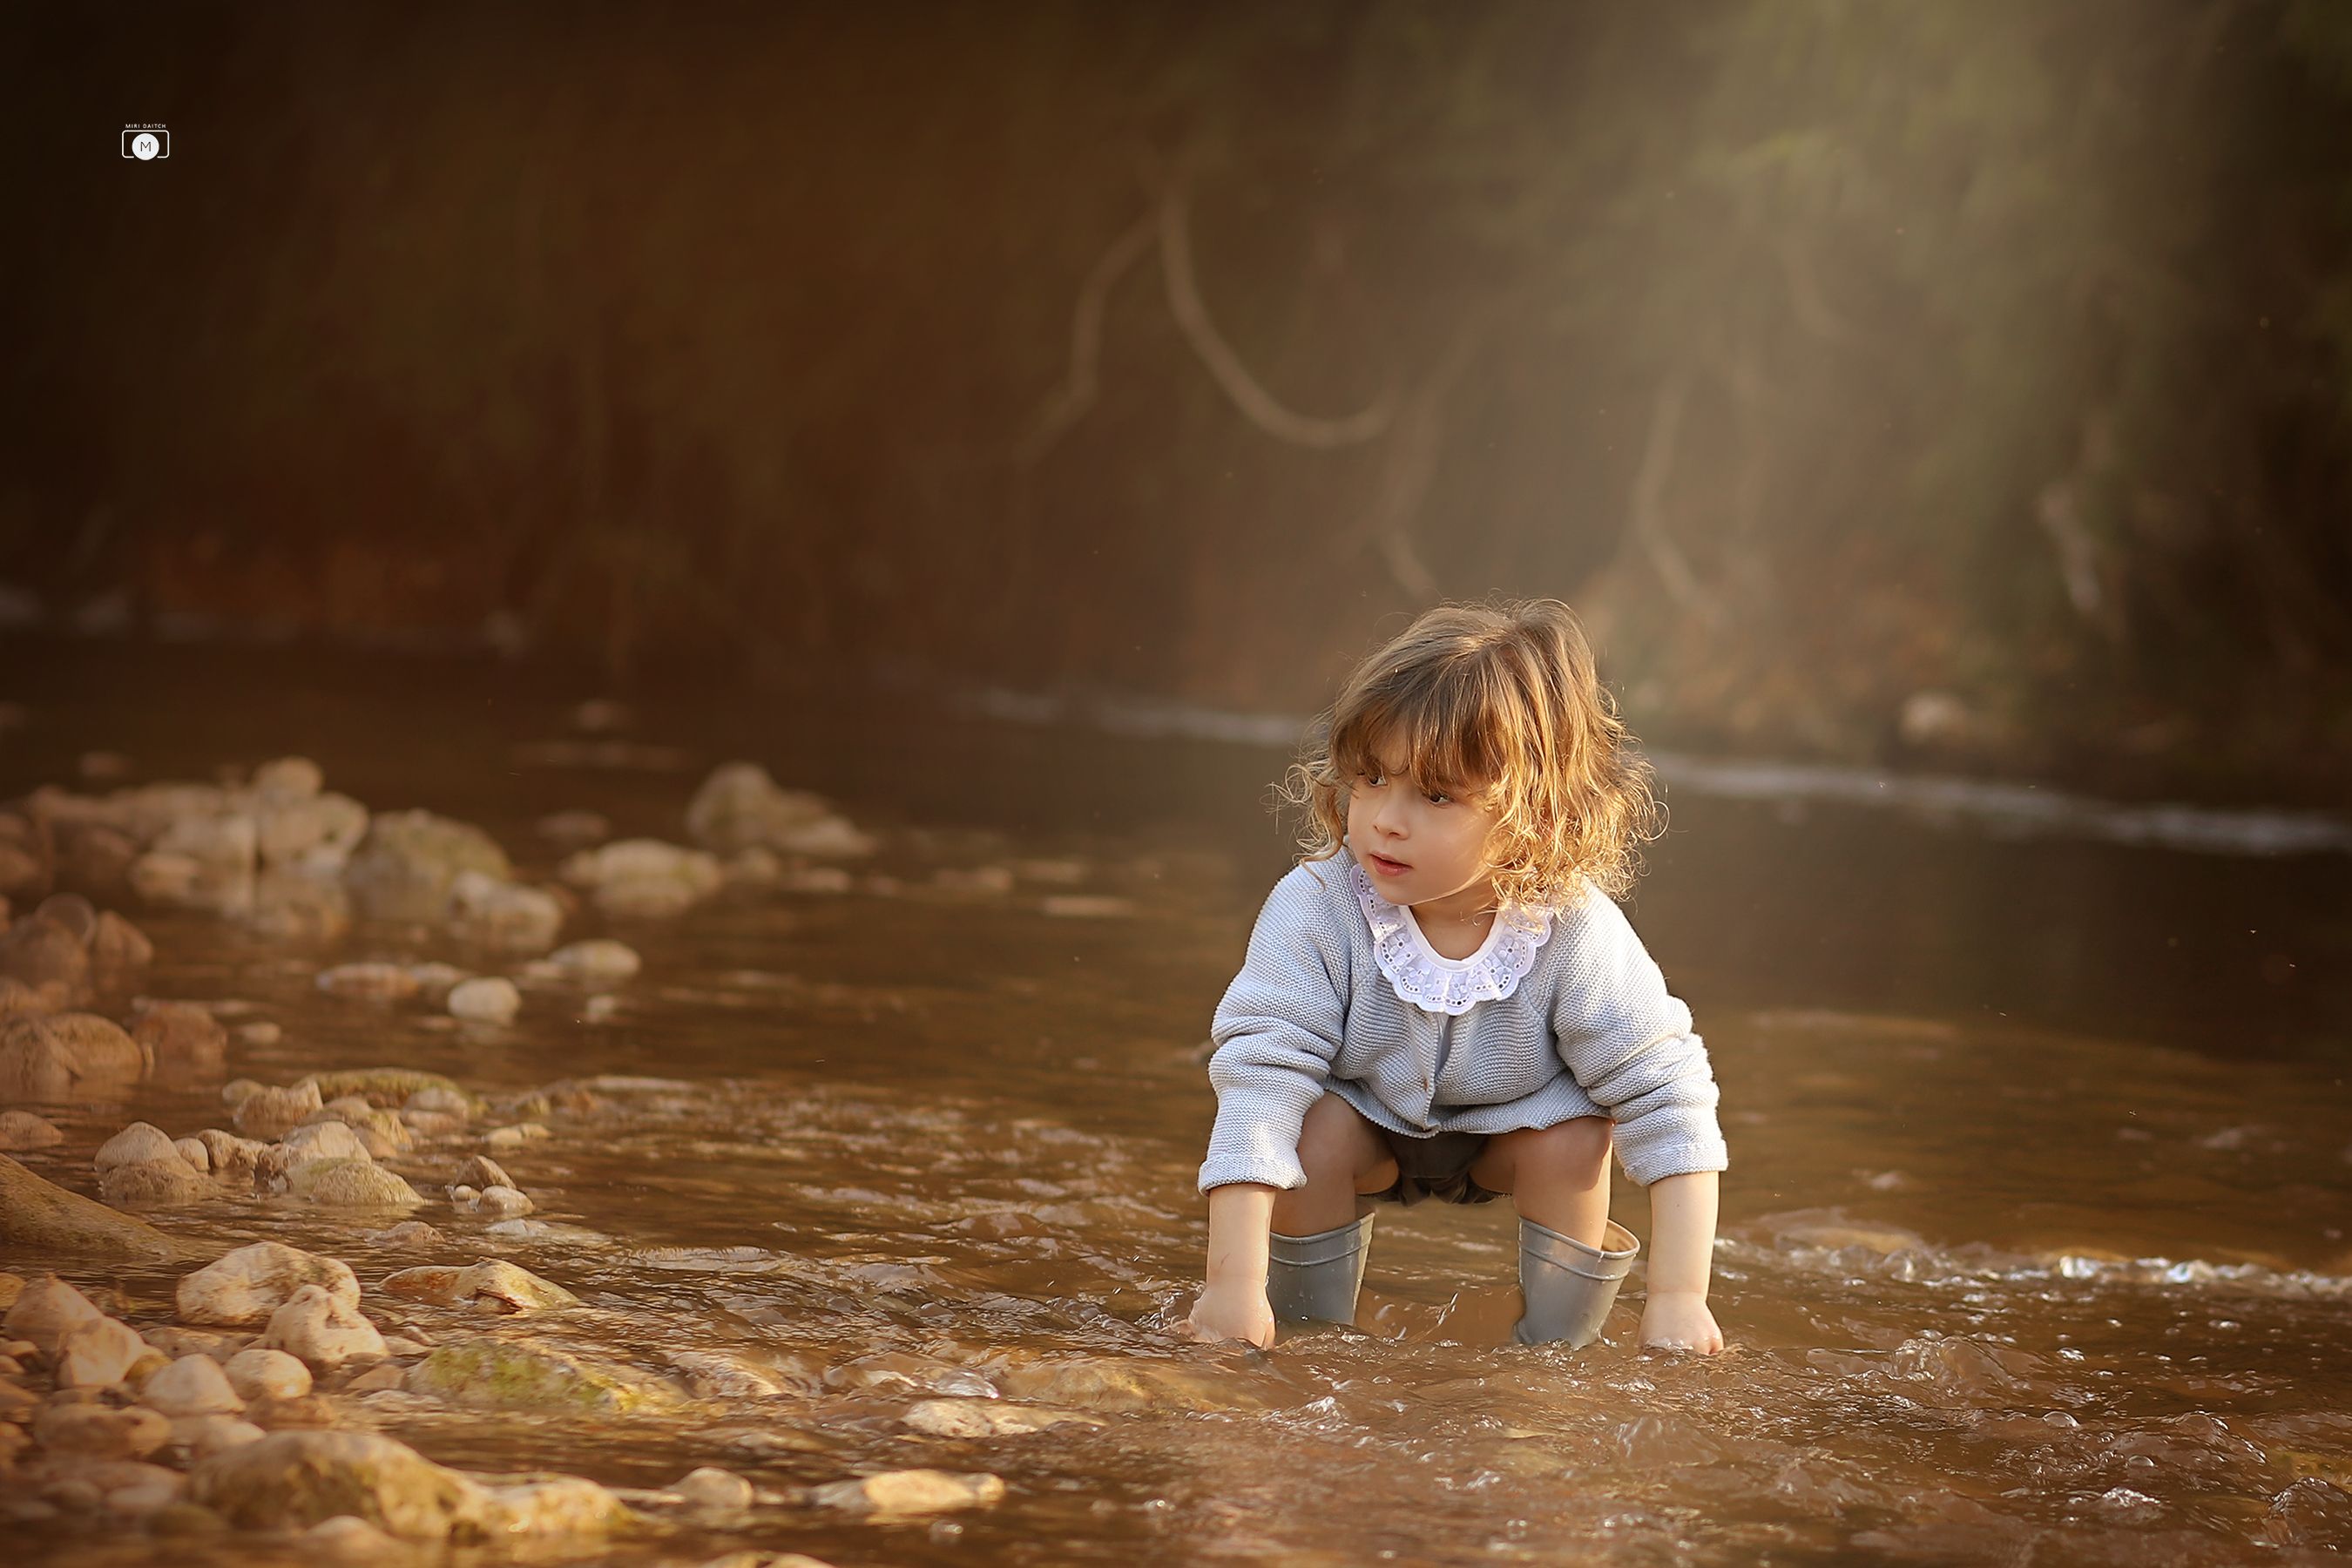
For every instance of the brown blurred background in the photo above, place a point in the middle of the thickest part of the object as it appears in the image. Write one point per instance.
(1954, 386)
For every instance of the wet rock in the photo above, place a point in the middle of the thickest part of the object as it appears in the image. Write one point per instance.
(261, 1373)
(502, 1374)
(714, 1489)
(192, 1385)
(139, 1141)
(505, 917)
(546, 1233)
(238, 1090)
(574, 829)
(377, 1379)
(67, 1056)
(329, 1139)
(738, 807)
(404, 867)
(599, 961)
(436, 980)
(74, 912)
(481, 1170)
(37, 953)
(19, 1000)
(491, 1283)
(410, 1234)
(192, 1150)
(506, 1140)
(321, 1330)
(95, 1354)
(350, 1183)
(718, 1374)
(201, 1436)
(380, 1086)
(168, 1182)
(260, 1032)
(990, 1419)
(348, 1538)
(449, 1102)
(489, 1000)
(905, 1493)
(765, 1560)
(23, 1129)
(250, 1283)
(558, 1506)
(231, 1158)
(39, 1215)
(376, 982)
(99, 1432)
(643, 879)
(1118, 1386)
(273, 1112)
(116, 944)
(502, 1203)
(287, 779)
(12, 1288)
(181, 1037)
(175, 1340)
(316, 834)
(306, 1413)
(45, 1310)
(291, 1480)
(299, 907)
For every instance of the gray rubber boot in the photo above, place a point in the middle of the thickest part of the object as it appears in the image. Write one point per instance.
(1316, 1277)
(1570, 1287)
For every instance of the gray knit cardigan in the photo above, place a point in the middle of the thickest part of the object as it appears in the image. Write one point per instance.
(1560, 1014)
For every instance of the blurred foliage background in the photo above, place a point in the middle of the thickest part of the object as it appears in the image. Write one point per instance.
(1961, 384)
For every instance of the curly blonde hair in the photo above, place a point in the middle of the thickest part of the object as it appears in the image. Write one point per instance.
(1499, 705)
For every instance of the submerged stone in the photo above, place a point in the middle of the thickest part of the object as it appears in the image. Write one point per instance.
(140, 1140)
(37, 1215)
(350, 1183)
(990, 1419)
(249, 1284)
(902, 1493)
(323, 1329)
(503, 1374)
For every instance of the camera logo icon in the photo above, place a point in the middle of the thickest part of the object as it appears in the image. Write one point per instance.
(146, 143)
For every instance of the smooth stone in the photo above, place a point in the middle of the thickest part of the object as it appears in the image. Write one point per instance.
(350, 1183)
(192, 1385)
(38, 1215)
(268, 1113)
(504, 1374)
(378, 1378)
(321, 1330)
(231, 1158)
(739, 806)
(48, 1309)
(181, 1037)
(506, 1140)
(480, 1171)
(67, 1056)
(23, 1129)
(250, 1283)
(315, 1141)
(238, 1090)
(714, 1489)
(717, 1375)
(902, 1493)
(261, 1373)
(406, 865)
(153, 1183)
(505, 1203)
(260, 1032)
(493, 1282)
(117, 944)
(135, 1144)
(175, 1341)
(489, 1000)
(202, 1436)
(101, 1432)
(408, 1233)
(379, 1086)
(375, 981)
(505, 917)
(191, 1149)
(292, 1480)
(96, 1355)
(599, 961)
(436, 980)
(433, 1102)
(990, 1419)
(288, 779)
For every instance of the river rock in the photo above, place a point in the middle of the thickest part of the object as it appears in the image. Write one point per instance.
(314, 1140)
(192, 1385)
(350, 1183)
(990, 1419)
(291, 1480)
(38, 951)
(260, 1032)
(643, 879)
(904, 1493)
(556, 1506)
(574, 829)
(404, 867)
(599, 961)
(323, 1331)
(39, 1215)
(248, 1285)
(23, 1129)
(719, 1375)
(285, 779)
(202, 1436)
(506, 1139)
(489, 1000)
(97, 1432)
(715, 1490)
(19, 1000)
(345, 1539)
(259, 1374)
(504, 1374)
(505, 917)
(274, 1113)
(481, 1170)
(229, 1157)
(71, 911)
(116, 944)
(376, 982)
(67, 1056)
(299, 907)
(177, 1340)
(192, 1150)
(95, 1354)
(502, 1203)
(738, 807)
(153, 1183)
(1116, 1386)
(142, 1141)
(181, 1037)
(409, 1235)
(48, 1309)
(491, 1283)
(314, 834)
(381, 1378)
(379, 1086)
(445, 1102)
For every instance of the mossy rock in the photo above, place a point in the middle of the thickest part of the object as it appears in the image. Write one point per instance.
(384, 1086)
(502, 1375)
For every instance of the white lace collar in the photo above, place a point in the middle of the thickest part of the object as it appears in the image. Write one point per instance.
(1422, 975)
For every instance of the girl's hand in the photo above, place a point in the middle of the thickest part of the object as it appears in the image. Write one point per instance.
(1232, 1312)
(1679, 1320)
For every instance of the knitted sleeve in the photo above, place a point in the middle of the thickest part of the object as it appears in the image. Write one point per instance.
(1276, 1031)
(1629, 1042)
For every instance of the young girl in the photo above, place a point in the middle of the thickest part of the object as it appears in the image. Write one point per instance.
(1442, 999)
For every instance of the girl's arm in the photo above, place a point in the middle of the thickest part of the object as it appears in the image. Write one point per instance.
(1682, 1247)
(1233, 1304)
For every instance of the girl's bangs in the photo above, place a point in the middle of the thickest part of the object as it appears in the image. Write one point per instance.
(1437, 729)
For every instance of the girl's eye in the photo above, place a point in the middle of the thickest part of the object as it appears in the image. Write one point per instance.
(1439, 798)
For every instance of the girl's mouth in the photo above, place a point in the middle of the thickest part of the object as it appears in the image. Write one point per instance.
(1382, 863)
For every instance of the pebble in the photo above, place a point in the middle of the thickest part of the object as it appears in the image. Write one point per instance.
(321, 1330)
(383, 1376)
(714, 1489)
(22, 1130)
(202, 1436)
(352, 1183)
(489, 1000)
(135, 1144)
(481, 1170)
(100, 1432)
(503, 1202)
(990, 1419)
(101, 1352)
(260, 1032)
(503, 1139)
(248, 1285)
(192, 1149)
(274, 1113)
(408, 1233)
(147, 1184)
(902, 1494)
(46, 1310)
(378, 981)
(192, 1385)
(267, 1374)
(323, 1141)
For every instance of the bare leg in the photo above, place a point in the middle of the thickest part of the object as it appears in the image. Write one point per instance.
(1344, 1156)
(1556, 1176)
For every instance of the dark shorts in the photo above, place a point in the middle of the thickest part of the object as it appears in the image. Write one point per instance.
(1435, 1166)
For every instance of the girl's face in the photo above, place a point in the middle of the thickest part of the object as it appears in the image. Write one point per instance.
(1418, 847)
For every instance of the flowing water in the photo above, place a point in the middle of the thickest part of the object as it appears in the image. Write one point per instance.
(2034, 1245)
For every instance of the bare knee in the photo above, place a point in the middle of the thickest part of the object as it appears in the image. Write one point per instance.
(1575, 1151)
(1332, 1141)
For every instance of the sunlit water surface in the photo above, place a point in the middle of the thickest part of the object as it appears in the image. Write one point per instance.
(2000, 1284)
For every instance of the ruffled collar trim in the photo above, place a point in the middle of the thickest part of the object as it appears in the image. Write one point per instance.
(1423, 977)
